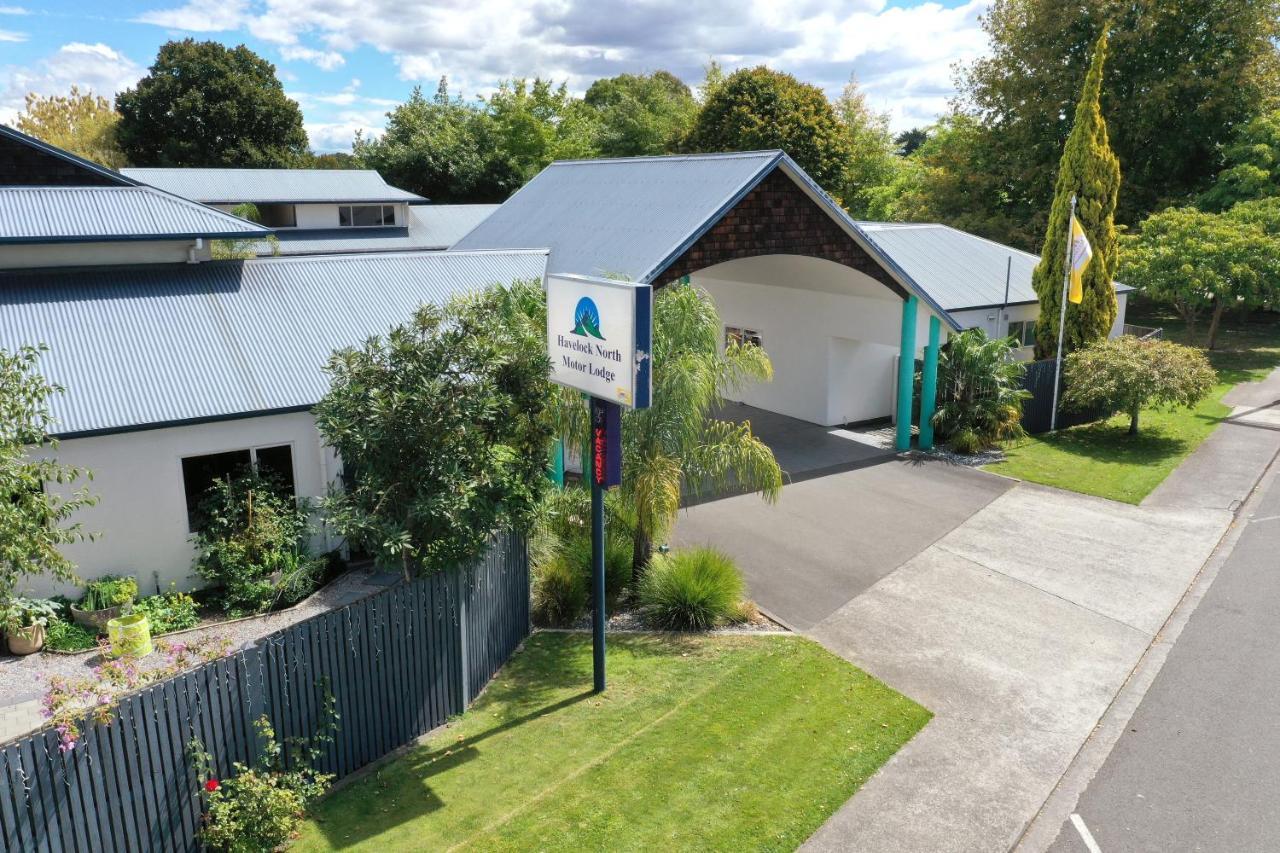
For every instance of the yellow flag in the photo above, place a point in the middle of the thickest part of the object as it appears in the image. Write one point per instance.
(1081, 254)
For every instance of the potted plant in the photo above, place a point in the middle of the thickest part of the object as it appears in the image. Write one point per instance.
(24, 623)
(104, 599)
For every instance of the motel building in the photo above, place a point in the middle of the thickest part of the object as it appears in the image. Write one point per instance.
(179, 368)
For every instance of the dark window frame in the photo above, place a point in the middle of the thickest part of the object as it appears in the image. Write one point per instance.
(194, 496)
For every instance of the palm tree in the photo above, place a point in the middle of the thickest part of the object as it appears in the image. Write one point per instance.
(979, 392)
(676, 446)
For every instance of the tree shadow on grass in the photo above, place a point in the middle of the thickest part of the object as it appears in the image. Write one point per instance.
(1110, 442)
(538, 682)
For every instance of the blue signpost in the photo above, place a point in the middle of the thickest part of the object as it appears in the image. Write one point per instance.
(599, 335)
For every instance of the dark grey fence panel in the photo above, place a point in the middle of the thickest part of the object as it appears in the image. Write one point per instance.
(393, 663)
(1037, 411)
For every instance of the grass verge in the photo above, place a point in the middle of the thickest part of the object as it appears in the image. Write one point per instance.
(1102, 459)
(700, 743)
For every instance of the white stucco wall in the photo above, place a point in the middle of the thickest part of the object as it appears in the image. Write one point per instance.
(100, 254)
(326, 215)
(995, 323)
(831, 332)
(142, 510)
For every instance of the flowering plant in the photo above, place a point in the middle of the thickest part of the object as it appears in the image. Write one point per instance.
(69, 701)
(262, 805)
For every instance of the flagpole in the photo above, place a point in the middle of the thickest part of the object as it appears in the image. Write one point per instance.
(1062, 319)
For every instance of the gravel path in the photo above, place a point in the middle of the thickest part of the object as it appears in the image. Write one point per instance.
(25, 678)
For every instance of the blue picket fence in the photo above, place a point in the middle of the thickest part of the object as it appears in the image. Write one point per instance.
(397, 663)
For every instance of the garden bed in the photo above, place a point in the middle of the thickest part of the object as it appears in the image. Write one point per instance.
(708, 742)
(26, 678)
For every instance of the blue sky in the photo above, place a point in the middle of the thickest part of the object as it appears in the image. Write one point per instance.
(348, 61)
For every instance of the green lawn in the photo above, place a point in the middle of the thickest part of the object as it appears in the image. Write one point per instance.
(1102, 459)
(700, 743)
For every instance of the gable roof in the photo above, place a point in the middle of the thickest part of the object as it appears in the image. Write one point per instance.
(961, 270)
(635, 216)
(144, 347)
(110, 214)
(27, 161)
(266, 186)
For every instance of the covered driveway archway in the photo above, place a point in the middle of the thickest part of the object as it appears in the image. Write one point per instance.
(766, 242)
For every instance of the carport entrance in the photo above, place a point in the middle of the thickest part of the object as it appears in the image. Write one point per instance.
(830, 538)
(805, 450)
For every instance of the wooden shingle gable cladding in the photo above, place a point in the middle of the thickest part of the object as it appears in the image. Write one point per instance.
(23, 165)
(777, 217)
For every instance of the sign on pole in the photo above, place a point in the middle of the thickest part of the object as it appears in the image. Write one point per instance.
(598, 337)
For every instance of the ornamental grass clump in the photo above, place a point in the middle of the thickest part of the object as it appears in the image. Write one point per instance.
(691, 590)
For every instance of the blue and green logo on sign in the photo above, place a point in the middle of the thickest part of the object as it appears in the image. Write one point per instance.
(586, 319)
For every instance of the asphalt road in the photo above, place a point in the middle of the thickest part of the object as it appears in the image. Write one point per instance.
(1198, 767)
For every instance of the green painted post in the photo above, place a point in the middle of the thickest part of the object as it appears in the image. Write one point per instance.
(555, 471)
(929, 384)
(906, 373)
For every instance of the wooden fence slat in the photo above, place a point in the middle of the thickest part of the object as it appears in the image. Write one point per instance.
(393, 661)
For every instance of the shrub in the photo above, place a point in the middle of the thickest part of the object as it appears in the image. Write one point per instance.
(1127, 375)
(617, 565)
(63, 636)
(108, 591)
(169, 611)
(559, 592)
(694, 589)
(262, 806)
(252, 543)
(23, 612)
(979, 392)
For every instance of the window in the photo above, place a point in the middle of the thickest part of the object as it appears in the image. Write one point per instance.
(201, 472)
(278, 215)
(1024, 331)
(366, 215)
(741, 337)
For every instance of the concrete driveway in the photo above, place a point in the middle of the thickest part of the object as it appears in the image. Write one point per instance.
(829, 538)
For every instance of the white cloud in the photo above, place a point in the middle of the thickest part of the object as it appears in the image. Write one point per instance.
(903, 56)
(200, 17)
(325, 59)
(92, 67)
(11, 35)
(13, 10)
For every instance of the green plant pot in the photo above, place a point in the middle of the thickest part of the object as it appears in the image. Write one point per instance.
(130, 635)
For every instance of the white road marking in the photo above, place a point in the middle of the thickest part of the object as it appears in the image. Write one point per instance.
(1264, 518)
(1085, 835)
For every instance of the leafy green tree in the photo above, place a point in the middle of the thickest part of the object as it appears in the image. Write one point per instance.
(442, 431)
(909, 140)
(872, 163)
(1090, 171)
(1182, 75)
(979, 392)
(442, 148)
(1128, 374)
(638, 114)
(759, 108)
(535, 123)
(34, 520)
(80, 122)
(947, 180)
(1197, 261)
(1252, 165)
(204, 104)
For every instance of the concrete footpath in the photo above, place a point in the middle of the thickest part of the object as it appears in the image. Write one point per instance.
(1019, 628)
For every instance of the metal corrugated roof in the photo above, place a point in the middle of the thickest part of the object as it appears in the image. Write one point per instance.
(91, 214)
(619, 216)
(431, 227)
(264, 186)
(154, 346)
(634, 216)
(960, 270)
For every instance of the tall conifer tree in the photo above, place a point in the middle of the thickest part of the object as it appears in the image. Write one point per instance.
(1089, 169)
